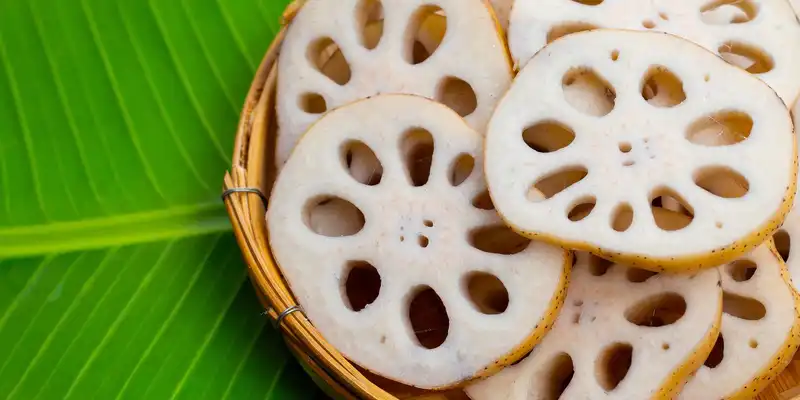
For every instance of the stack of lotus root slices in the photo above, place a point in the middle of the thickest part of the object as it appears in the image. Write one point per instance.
(544, 199)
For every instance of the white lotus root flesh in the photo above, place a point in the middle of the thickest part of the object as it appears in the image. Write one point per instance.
(336, 52)
(760, 36)
(603, 129)
(381, 223)
(759, 332)
(623, 333)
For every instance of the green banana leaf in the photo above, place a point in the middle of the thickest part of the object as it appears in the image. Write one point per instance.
(119, 277)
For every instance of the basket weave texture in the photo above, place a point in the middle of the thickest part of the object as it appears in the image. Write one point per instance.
(253, 168)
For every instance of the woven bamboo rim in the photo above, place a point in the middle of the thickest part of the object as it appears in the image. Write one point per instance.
(253, 170)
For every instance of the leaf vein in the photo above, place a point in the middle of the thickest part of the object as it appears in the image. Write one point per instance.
(118, 320)
(73, 129)
(170, 318)
(115, 86)
(185, 82)
(160, 102)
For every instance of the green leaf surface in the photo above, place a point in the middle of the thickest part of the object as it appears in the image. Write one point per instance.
(119, 277)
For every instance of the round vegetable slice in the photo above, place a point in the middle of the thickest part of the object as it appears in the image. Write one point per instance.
(759, 332)
(336, 52)
(381, 223)
(623, 333)
(760, 36)
(604, 129)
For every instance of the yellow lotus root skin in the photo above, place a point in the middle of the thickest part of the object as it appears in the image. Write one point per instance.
(761, 36)
(613, 314)
(754, 348)
(623, 129)
(451, 51)
(394, 184)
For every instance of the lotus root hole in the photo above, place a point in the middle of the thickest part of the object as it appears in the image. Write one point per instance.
(567, 28)
(638, 275)
(369, 16)
(333, 216)
(657, 310)
(457, 94)
(555, 183)
(648, 24)
(417, 148)
(483, 201)
(670, 211)
(487, 293)
(589, 2)
(612, 365)
(662, 88)
(720, 129)
(425, 33)
(717, 353)
(423, 241)
(582, 209)
(548, 136)
(497, 239)
(722, 181)
(461, 169)
(521, 359)
(326, 57)
(312, 103)
(587, 92)
(753, 343)
(362, 163)
(428, 316)
(742, 307)
(622, 217)
(748, 57)
(615, 55)
(362, 285)
(560, 372)
(783, 243)
(598, 266)
(724, 12)
(742, 270)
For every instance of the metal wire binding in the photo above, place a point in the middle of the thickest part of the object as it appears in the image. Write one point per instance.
(257, 191)
(296, 308)
(285, 313)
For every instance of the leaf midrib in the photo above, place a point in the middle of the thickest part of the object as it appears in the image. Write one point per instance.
(149, 226)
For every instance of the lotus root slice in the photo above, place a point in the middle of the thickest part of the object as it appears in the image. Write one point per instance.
(590, 146)
(382, 225)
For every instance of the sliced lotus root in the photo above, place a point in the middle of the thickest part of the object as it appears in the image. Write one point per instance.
(336, 52)
(381, 223)
(579, 155)
(623, 333)
(760, 36)
(759, 332)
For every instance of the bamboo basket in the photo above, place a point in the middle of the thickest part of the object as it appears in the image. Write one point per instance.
(246, 188)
